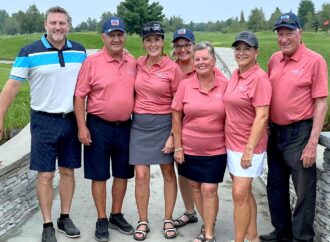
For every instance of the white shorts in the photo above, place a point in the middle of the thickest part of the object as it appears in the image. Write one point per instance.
(235, 168)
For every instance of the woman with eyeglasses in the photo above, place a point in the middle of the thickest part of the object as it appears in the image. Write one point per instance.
(198, 129)
(247, 99)
(151, 143)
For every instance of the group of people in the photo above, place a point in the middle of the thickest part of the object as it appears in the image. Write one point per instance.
(131, 114)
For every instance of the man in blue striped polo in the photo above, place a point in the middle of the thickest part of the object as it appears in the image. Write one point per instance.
(51, 66)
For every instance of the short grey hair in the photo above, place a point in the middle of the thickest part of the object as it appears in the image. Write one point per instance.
(205, 45)
(58, 9)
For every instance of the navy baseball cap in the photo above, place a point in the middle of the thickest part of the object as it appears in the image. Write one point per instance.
(246, 37)
(287, 20)
(184, 33)
(152, 27)
(112, 24)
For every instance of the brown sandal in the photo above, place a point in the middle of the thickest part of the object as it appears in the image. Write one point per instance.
(180, 222)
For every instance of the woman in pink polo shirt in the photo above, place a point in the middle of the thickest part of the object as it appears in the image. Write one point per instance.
(157, 80)
(246, 100)
(198, 128)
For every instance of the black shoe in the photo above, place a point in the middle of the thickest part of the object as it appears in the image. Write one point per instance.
(118, 222)
(275, 237)
(67, 227)
(101, 230)
(48, 234)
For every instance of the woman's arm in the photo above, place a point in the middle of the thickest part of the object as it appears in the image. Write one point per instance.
(258, 126)
(177, 128)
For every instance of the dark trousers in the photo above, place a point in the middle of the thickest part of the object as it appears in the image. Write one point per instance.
(285, 147)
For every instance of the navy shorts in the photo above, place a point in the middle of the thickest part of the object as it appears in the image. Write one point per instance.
(110, 140)
(204, 169)
(54, 136)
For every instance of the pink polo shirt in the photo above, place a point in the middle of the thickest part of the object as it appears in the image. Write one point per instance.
(244, 93)
(155, 86)
(296, 82)
(204, 117)
(108, 85)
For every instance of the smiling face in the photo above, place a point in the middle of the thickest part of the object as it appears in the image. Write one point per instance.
(183, 49)
(203, 62)
(114, 42)
(153, 44)
(245, 55)
(57, 28)
(288, 40)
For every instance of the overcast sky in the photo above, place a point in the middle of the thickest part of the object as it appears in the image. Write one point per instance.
(188, 10)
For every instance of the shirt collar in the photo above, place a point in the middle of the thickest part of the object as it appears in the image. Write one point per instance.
(68, 44)
(109, 58)
(247, 73)
(296, 56)
(196, 84)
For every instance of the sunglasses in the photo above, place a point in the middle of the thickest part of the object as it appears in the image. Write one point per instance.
(152, 28)
(286, 21)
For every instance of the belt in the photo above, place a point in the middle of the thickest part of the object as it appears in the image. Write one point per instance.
(294, 124)
(112, 123)
(55, 115)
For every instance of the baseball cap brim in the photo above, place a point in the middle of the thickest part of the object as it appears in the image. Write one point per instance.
(182, 37)
(289, 26)
(245, 41)
(114, 29)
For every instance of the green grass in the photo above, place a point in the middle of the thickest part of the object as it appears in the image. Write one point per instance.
(18, 113)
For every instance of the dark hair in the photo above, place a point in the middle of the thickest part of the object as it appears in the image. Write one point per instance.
(58, 9)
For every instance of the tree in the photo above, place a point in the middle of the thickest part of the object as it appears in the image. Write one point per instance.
(273, 18)
(35, 20)
(103, 18)
(305, 7)
(242, 18)
(10, 26)
(324, 15)
(173, 23)
(256, 20)
(3, 16)
(137, 12)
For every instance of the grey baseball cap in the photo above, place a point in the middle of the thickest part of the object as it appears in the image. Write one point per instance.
(246, 37)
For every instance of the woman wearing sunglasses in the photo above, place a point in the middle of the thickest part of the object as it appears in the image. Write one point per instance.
(151, 141)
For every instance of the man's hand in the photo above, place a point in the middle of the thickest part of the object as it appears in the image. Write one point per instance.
(84, 136)
(308, 156)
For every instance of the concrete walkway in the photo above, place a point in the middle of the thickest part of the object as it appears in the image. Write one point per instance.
(83, 211)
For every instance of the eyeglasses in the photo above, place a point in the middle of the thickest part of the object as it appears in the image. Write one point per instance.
(243, 50)
(286, 21)
(185, 46)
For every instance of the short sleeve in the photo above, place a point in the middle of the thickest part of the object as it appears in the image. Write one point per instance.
(84, 79)
(177, 103)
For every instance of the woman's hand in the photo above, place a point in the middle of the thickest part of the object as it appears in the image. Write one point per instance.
(179, 156)
(247, 158)
(169, 145)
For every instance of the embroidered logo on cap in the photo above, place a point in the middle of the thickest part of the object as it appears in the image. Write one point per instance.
(181, 31)
(285, 16)
(114, 22)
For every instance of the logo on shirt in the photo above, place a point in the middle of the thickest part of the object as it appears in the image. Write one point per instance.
(218, 95)
(242, 88)
(161, 74)
(297, 72)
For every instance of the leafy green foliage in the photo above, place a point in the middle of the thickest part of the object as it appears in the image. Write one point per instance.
(137, 12)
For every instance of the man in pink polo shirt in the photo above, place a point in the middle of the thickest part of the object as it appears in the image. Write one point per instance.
(299, 78)
(106, 81)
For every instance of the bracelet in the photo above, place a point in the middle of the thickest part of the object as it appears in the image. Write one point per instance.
(178, 149)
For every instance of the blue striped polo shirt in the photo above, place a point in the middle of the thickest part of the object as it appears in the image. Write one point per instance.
(52, 73)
